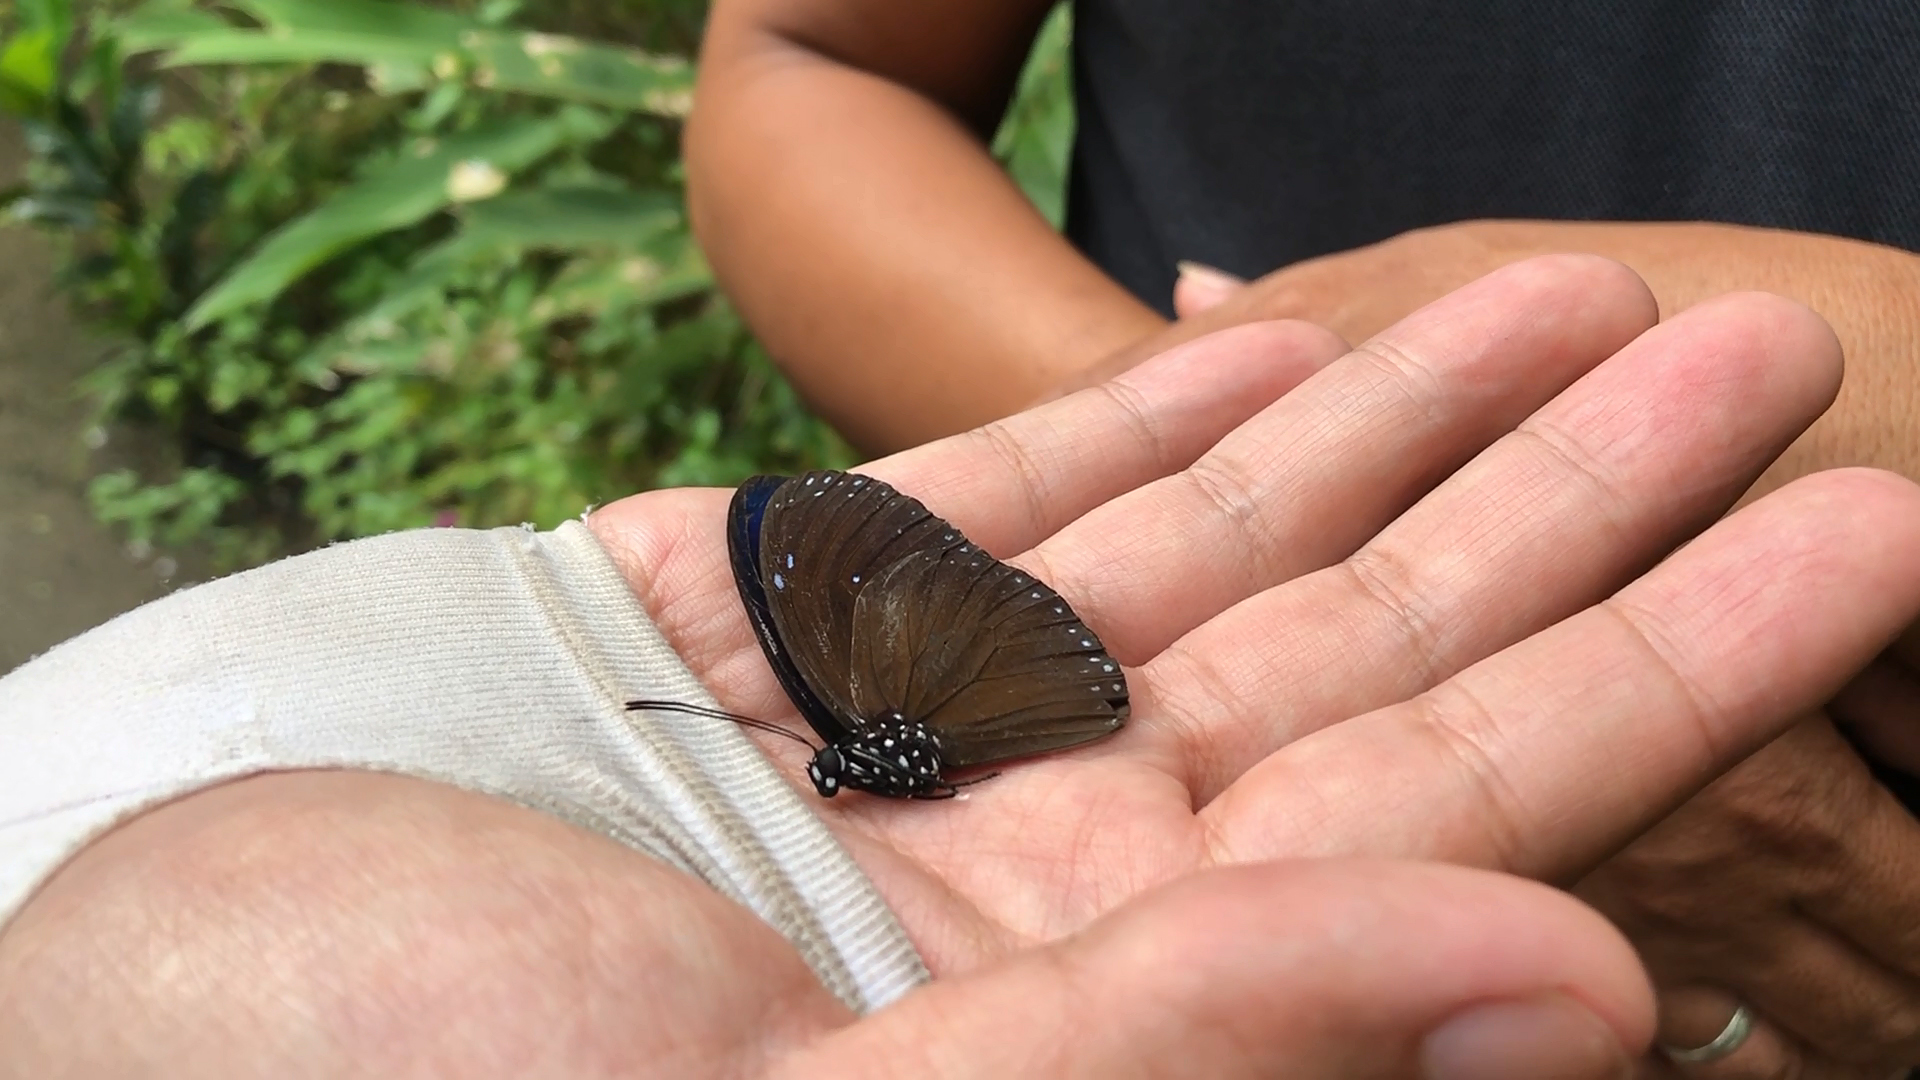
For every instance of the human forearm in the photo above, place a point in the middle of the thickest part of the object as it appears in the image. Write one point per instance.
(876, 248)
(495, 661)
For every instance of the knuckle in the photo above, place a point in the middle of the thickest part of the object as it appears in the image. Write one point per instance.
(1460, 724)
(1784, 815)
(1403, 374)
(1136, 415)
(1884, 1033)
(1386, 581)
(1232, 495)
(1027, 475)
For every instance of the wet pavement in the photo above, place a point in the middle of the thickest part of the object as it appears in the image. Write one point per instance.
(60, 572)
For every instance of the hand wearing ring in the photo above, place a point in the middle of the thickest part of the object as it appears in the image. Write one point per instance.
(1786, 886)
(1731, 1038)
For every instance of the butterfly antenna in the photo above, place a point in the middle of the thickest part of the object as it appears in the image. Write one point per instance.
(717, 714)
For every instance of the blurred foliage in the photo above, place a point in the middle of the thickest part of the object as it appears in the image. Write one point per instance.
(383, 265)
(1035, 139)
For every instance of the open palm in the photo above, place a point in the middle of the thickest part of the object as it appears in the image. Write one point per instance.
(1419, 603)
(1401, 602)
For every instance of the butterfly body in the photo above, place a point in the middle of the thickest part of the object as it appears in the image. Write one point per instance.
(908, 649)
(891, 757)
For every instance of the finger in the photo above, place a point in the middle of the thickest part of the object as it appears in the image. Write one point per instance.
(1831, 997)
(1542, 759)
(1863, 890)
(1007, 485)
(1314, 475)
(1881, 709)
(1200, 287)
(1012, 483)
(1694, 1015)
(1303, 969)
(1589, 491)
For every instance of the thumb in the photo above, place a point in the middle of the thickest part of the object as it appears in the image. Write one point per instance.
(1310, 968)
(1200, 287)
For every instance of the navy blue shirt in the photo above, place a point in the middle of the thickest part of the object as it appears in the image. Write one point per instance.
(1250, 135)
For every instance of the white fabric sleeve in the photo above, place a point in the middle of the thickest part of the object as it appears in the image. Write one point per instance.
(497, 661)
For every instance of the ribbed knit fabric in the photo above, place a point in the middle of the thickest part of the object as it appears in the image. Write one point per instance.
(495, 661)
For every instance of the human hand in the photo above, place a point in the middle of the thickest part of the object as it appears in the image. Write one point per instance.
(1406, 610)
(1847, 1010)
(1265, 629)
(336, 924)
(1788, 885)
(1852, 1010)
(1865, 291)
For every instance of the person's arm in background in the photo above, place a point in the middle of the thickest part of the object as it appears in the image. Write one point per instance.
(840, 182)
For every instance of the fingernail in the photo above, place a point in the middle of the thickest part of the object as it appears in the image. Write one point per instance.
(1207, 277)
(1550, 1037)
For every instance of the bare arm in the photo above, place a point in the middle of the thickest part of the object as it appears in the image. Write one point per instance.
(841, 184)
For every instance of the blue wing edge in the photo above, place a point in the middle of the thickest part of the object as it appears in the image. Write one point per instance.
(744, 517)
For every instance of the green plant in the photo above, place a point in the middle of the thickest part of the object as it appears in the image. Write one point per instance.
(1035, 138)
(383, 265)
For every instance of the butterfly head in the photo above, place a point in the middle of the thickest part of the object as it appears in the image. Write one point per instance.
(828, 772)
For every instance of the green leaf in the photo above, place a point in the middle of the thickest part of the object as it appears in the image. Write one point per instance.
(569, 218)
(498, 12)
(67, 144)
(195, 204)
(128, 120)
(162, 26)
(1036, 135)
(66, 210)
(374, 18)
(569, 69)
(278, 46)
(437, 106)
(99, 74)
(403, 193)
(399, 78)
(29, 72)
(560, 219)
(52, 16)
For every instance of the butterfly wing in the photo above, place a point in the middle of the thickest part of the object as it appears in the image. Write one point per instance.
(814, 542)
(746, 517)
(993, 660)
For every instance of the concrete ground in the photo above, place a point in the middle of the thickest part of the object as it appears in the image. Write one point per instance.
(60, 572)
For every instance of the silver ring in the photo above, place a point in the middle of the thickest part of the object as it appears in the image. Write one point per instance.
(1731, 1037)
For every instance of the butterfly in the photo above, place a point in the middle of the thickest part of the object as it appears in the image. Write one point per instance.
(909, 650)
